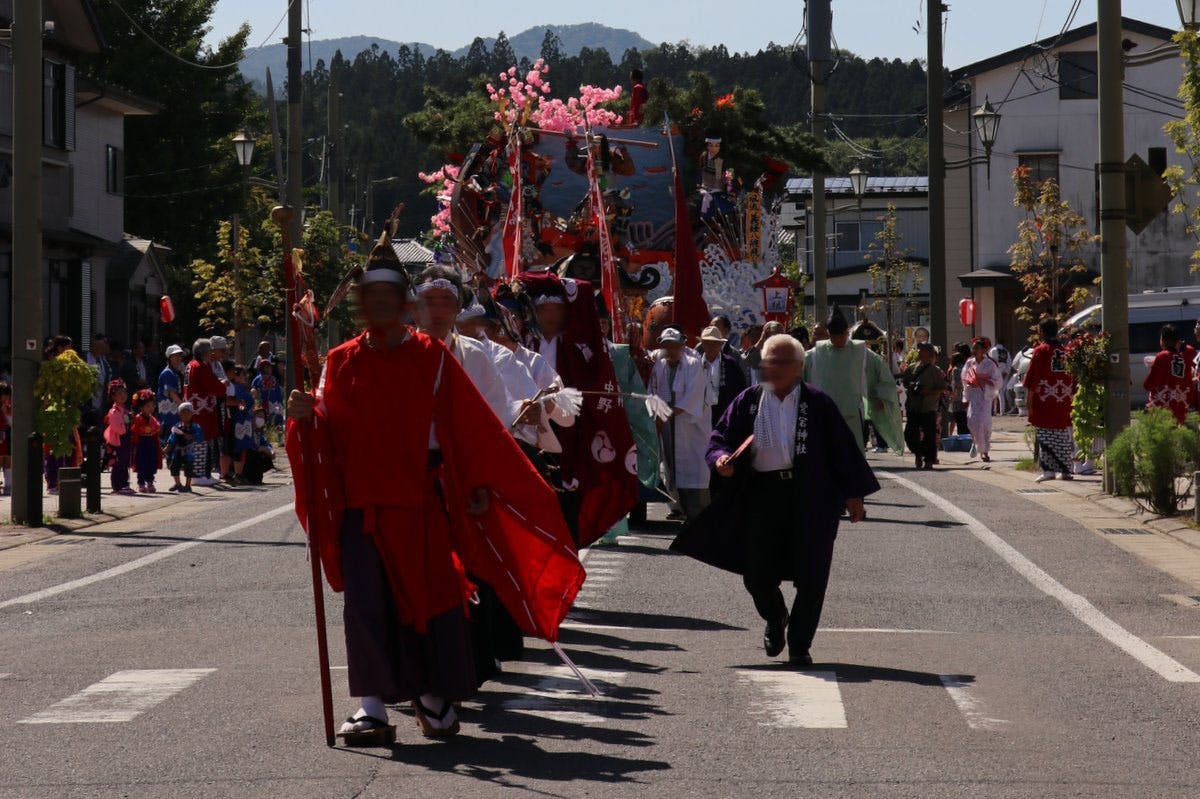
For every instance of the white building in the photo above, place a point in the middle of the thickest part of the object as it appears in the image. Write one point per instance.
(1046, 94)
(851, 228)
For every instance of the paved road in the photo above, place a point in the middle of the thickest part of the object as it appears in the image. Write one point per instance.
(1000, 652)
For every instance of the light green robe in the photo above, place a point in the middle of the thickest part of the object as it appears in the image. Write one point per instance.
(851, 375)
(645, 432)
(882, 386)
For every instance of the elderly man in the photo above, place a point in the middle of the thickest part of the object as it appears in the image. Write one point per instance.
(724, 369)
(680, 380)
(169, 391)
(206, 392)
(791, 455)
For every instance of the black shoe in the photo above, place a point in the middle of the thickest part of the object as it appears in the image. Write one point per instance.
(920, 463)
(773, 637)
(928, 467)
(801, 661)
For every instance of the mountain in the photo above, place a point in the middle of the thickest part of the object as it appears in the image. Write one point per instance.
(572, 38)
(526, 44)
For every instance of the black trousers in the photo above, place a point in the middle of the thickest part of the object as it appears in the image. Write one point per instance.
(789, 555)
(920, 433)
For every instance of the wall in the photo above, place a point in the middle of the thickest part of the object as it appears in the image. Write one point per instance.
(96, 211)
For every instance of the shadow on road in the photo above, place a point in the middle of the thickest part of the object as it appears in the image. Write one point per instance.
(573, 637)
(859, 673)
(648, 621)
(638, 549)
(145, 539)
(940, 523)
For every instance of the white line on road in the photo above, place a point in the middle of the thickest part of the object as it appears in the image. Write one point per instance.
(1154, 659)
(579, 625)
(969, 705)
(122, 696)
(884, 630)
(806, 699)
(145, 560)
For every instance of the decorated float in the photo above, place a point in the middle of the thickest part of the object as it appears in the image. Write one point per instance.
(566, 186)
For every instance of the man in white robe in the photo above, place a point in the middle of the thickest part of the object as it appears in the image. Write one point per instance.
(679, 378)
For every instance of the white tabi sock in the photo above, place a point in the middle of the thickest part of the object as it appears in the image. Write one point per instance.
(7, 479)
(372, 706)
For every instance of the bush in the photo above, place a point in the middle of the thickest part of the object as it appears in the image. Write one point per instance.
(63, 384)
(1150, 455)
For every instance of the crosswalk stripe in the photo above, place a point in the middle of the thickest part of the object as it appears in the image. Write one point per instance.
(122, 696)
(798, 699)
(557, 695)
(969, 705)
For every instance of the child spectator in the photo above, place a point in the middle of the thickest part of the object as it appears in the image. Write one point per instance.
(261, 458)
(5, 445)
(117, 436)
(239, 425)
(181, 447)
(147, 451)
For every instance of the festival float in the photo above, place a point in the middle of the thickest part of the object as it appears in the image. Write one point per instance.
(566, 186)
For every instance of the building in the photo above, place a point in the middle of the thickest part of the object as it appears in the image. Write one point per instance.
(1046, 94)
(89, 280)
(851, 228)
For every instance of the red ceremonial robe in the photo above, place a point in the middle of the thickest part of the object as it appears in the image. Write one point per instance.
(1169, 383)
(204, 391)
(598, 450)
(367, 448)
(1050, 387)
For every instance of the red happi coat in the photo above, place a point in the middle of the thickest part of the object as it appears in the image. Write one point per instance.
(368, 450)
(1049, 387)
(598, 450)
(1169, 383)
(204, 391)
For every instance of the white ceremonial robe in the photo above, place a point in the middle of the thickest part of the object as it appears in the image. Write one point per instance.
(479, 367)
(692, 426)
(979, 400)
(517, 370)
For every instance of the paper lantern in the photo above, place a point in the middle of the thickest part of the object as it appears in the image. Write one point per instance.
(966, 312)
(166, 310)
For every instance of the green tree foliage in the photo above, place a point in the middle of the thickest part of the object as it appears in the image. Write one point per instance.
(181, 170)
(1185, 134)
(1048, 255)
(895, 277)
(63, 384)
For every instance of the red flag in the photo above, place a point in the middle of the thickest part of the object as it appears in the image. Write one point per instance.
(690, 310)
(608, 268)
(512, 220)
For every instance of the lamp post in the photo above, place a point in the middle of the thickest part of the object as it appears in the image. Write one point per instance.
(243, 146)
(1189, 13)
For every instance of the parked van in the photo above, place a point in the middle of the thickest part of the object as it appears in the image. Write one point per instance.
(1148, 312)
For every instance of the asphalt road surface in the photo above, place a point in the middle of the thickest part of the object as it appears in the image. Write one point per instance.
(981, 648)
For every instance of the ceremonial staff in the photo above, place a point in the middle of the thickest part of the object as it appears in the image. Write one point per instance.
(302, 354)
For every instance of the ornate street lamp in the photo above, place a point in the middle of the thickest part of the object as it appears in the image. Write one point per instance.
(1189, 13)
(987, 121)
(858, 180)
(243, 144)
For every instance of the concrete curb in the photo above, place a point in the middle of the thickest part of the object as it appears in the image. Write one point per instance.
(15, 536)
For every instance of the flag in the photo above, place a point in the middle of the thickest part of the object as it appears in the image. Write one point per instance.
(690, 310)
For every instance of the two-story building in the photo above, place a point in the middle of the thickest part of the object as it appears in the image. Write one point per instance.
(1046, 95)
(95, 278)
(851, 228)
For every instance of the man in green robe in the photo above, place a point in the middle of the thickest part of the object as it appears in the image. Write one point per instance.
(847, 371)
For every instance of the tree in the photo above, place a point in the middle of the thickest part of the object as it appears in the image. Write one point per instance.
(551, 47)
(895, 276)
(1047, 257)
(1185, 133)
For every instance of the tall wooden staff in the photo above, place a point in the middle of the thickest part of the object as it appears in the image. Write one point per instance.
(282, 215)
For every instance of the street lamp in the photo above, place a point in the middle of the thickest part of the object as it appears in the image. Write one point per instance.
(243, 145)
(1189, 11)
(986, 122)
(858, 182)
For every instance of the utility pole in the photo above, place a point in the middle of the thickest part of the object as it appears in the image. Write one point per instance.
(820, 30)
(295, 128)
(1114, 272)
(935, 92)
(333, 145)
(26, 244)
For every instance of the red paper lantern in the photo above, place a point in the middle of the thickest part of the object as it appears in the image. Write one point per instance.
(166, 310)
(966, 312)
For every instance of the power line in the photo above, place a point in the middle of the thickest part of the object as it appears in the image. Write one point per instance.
(189, 62)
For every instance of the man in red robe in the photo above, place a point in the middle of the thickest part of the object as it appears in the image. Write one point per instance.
(599, 458)
(1049, 390)
(405, 480)
(205, 391)
(1169, 382)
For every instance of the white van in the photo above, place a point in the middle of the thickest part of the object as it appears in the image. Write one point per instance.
(1148, 312)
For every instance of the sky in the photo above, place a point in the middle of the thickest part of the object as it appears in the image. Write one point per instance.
(975, 29)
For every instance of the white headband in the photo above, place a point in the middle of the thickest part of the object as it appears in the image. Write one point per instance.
(549, 299)
(472, 311)
(384, 275)
(437, 283)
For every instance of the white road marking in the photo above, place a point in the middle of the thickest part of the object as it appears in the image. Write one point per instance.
(145, 560)
(884, 630)
(809, 700)
(595, 572)
(579, 625)
(122, 696)
(1154, 659)
(969, 705)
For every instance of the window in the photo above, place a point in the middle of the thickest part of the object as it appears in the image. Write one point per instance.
(58, 105)
(115, 170)
(1077, 75)
(856, 236)
(1042, 166)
